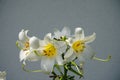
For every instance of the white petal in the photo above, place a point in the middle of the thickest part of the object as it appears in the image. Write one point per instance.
(68, 53)
(23, 55)
(59, 60)
(61, 46)
(47, 37)
(26, 31)
(87, 54)
(57, 34)
(22, 36)
(33, 57)
(90, 38)
(20, 44)
(47, 64)
(79, 33)
(65, 31)
(70, 41)
(71, 58)
(34, 42)
(42, 43)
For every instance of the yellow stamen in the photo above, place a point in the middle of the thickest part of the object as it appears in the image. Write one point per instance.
(27, 45)
(78, 46)
(49, 51)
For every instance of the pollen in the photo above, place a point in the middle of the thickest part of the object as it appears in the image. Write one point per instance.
(78, 46)
(49, 50)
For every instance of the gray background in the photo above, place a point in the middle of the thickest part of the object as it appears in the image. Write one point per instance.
(42, 16)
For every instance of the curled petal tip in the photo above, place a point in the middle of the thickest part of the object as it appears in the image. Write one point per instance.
(78, 30)
(103, 60)
(34, 42)
(23, 35)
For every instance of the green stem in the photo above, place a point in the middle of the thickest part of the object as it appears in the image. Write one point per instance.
(54, 73)
(65, 71)
(77, 67)
(58, 68)
(64, 77)
(37, 53)
(72, 70)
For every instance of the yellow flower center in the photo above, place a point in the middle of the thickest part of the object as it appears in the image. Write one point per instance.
(27, 45)
(49, 51)
(78, 46)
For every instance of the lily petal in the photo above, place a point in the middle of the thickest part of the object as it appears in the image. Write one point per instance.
(23, 55)
(71, 58)
(34, 42)
(23, 35)
(26, 31)
(68, 53)
(47, 64)
(65, 31)
(61, 46)
(57, 34)
(33, 57)
(20, 44)
(70, 41)
(90, 38)
(87, 54)
(59, 60)
(79, 33)
(47, 38)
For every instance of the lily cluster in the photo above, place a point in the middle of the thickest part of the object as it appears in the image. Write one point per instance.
(60, 49)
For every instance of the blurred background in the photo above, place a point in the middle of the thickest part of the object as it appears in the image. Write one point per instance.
(42, 16)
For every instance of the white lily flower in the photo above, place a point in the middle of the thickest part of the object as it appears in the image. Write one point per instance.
(27, 45)
(79, 46)
(51, 51)
(65, 32)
